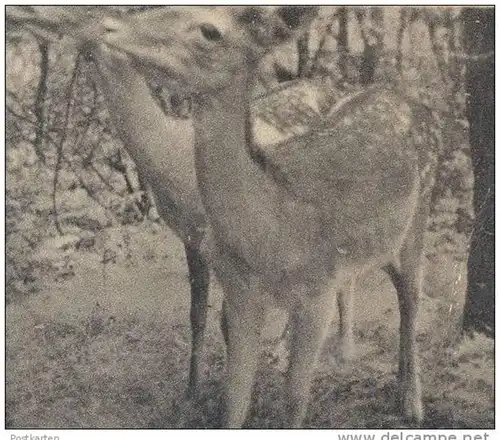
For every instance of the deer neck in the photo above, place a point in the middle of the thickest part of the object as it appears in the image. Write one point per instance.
(161, 147)
(237, 194)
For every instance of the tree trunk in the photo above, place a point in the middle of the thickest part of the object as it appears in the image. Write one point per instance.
(403, 24)
(369, 61)
(371, 25)
(40, 102)
(479, 39)
(343, 40)
(304, 56)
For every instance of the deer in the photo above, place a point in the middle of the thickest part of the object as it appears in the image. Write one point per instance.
(169, 171)
(162, 148)
(292, 227)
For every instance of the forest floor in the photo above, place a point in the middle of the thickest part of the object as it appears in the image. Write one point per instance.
(106, 345)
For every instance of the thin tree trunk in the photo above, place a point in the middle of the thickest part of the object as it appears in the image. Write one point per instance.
(304, 56)
(343, 40)
(404, 23)
(479, 33)
(40, 101)
(377, 17)
(370, 20)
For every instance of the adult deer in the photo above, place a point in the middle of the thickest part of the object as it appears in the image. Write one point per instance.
(293, 226)
(163, 150)
(161, 147)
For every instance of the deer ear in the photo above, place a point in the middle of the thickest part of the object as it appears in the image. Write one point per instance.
(272, 26)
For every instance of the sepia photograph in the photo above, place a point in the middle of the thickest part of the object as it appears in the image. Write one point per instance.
(247, 216)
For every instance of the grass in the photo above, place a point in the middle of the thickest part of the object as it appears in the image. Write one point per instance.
(124, 373)
(78, 358)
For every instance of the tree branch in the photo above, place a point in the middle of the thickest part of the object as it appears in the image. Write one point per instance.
(41, 97)
(60, 144)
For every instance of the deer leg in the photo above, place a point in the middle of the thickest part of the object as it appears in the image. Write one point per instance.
(309, 325)
(408, 289)
(199, 280)
(244, 319)
(407, 277)
(345, 332)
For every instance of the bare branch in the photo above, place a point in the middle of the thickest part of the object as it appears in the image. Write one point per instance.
(17, 115)
(60, 144)
(105, 181)
(89, 191)
(41, 97)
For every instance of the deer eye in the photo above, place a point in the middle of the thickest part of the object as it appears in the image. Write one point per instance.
(210, 32)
